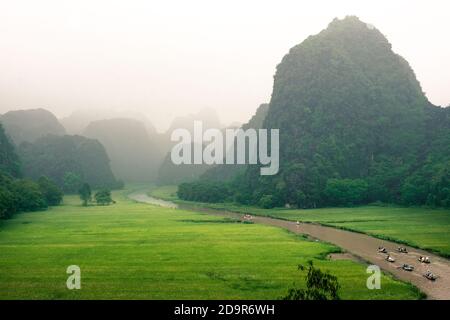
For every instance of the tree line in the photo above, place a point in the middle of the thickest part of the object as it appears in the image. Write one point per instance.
(18, 194)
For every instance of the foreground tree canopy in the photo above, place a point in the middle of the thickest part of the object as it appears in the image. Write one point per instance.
(355, 127)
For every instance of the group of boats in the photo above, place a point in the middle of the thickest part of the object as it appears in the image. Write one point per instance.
(407, 267)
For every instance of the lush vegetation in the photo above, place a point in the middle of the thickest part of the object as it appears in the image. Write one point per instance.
(9, 160)
(17, 194)
(355, 127)
(85, 194)
(52, 194)
(132, 250)
(320, 285)
(68, 161)
(103, 197)
(204, 191)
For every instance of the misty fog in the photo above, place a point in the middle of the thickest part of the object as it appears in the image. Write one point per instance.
(159, 60)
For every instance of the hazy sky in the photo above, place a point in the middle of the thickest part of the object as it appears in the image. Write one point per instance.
(168, 58)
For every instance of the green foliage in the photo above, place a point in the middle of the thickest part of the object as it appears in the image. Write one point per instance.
(7, 197)
(103, 197)
(266, 202)
(18, 195)
(9, 161)
(52, 194)
(320, 285)
(346, 192)
(67, 160)
(72, 182)
(85, 193)
(204, 191)
(28, 195)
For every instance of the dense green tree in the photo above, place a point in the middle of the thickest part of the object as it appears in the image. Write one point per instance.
(52, 194)
(85, 193)
(320, 285)
(28, 195)
(204, 192)
(266, 201)
(72, 182)
(346, 192)
(103, 197)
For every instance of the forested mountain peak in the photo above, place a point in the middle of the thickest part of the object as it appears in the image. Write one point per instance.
(355, 127)
(65, 159)
(29, 125)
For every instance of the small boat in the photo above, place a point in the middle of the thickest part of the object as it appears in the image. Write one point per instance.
(430, 275)
(424, 259)
(390, 259)
(402, 250)
(407, 267)
(382, 249)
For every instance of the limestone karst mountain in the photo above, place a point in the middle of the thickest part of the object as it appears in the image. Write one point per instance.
(29, 125)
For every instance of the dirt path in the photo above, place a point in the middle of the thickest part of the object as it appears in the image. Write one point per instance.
(358, 244)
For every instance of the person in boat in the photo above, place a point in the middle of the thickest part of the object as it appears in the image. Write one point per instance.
(429, 275)
(382, 249)
(407, 267)
(402, 249)
(390, 259)
(298, 223)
